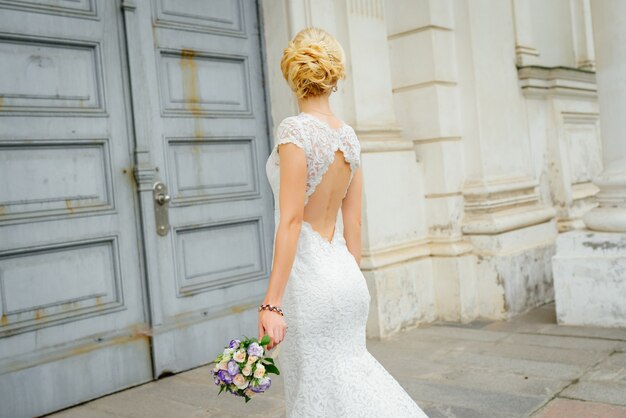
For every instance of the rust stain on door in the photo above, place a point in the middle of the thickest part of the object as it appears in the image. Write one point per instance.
(189, 71)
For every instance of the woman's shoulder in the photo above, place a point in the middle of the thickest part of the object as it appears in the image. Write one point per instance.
(289, 130)
(352, 136)
(290, 121)
(289, 126)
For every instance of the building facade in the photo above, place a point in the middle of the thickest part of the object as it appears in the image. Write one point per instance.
(479, 125)
(136, 224)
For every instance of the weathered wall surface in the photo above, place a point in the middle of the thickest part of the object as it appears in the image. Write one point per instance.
(480, 133)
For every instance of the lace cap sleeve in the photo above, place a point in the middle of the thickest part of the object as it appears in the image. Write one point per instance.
(288, 131)
(357, 149)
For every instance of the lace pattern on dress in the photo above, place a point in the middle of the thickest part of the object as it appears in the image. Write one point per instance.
(324, 361)
(319, 146)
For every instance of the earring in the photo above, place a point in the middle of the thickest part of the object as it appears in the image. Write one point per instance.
(335, 88)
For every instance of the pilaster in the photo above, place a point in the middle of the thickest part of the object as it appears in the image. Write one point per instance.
(525, 50)
(590, 265)
(564, 126)
(426, 94)
(510, 226)
(609, 32)
(583, 34)
(395, 251)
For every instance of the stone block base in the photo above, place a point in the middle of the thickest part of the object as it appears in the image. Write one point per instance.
(512, 284)
(514, 271)
(402, 297)
(456, 290)
(590, 278)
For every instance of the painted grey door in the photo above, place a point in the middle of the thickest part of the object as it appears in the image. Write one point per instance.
(200, 120)
(71, 293)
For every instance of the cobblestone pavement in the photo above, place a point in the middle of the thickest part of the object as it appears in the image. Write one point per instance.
(526, 367)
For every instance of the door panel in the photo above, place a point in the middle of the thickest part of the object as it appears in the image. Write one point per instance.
(71, 295)
(100, 100)
(198, 66)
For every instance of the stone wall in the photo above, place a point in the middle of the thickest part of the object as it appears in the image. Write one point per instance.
(479, 131)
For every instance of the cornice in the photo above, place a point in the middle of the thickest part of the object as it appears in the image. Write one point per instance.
(539, 81)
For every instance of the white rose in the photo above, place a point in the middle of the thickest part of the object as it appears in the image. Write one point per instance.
(223, 365)
(216, 368)
(259, 371)
(252, 359)
(240, 381)
(226, 357)
(249, 392)
(239, 356)
(247, 370)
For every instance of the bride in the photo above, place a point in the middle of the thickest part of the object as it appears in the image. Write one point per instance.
(317, 300)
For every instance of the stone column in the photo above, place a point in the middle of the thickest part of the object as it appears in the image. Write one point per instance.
(525, 51)
(395, 250)
(424, 74)
(511, 229)
(590, 265)
(609, 33)
(582, 33)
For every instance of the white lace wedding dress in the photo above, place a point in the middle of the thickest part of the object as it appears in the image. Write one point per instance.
(327, 369)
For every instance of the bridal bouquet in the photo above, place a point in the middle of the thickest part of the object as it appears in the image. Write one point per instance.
(242, 370)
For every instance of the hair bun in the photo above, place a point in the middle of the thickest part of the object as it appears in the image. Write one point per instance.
(312, 63)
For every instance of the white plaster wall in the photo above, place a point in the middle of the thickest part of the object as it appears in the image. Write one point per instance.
(565, 139)
(540, 130)
(589, 276)
(494, 119)
(386, 176)
(552, 32)
(276, 34)
(402, 297)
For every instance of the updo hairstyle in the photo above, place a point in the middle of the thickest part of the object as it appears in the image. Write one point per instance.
(313, 62)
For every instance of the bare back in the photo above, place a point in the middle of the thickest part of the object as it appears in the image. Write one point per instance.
(333, 156)
(323, 206)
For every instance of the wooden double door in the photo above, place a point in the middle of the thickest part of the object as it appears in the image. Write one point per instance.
(136, 222)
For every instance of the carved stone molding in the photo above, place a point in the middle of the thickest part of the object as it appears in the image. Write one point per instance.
(540, 81)
(499, 206)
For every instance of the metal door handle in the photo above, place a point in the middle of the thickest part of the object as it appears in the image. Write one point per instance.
(161, 209)
(163, 198)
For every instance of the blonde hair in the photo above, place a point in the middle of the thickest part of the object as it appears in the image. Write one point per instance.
(313, 62)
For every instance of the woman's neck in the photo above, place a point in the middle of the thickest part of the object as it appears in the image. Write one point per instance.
(316, 104)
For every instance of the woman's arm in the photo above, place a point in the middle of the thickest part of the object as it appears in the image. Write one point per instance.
(293, 174)
(351, 214)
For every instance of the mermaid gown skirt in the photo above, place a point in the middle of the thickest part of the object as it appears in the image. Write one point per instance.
(327, 369)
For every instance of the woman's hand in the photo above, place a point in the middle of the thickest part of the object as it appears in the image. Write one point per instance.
(273, 324)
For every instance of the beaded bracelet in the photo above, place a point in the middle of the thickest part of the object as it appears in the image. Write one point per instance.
(271, 308)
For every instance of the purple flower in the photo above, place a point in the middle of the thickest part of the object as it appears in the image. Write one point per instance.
(255, 350)
(264, 384)
(217, 381)
(225, 376)
(234, 344)
(233, 367)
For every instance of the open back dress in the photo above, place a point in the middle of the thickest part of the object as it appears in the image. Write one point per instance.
(326, 367)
